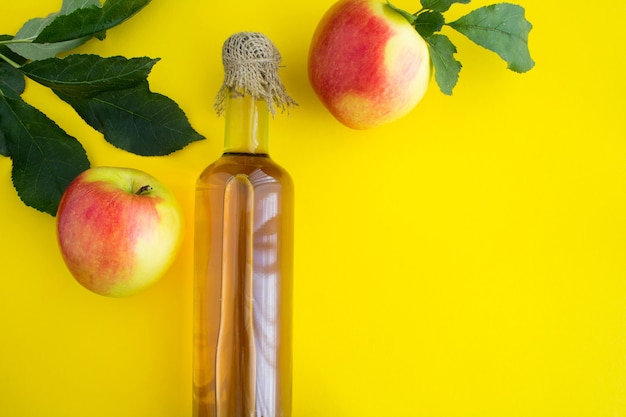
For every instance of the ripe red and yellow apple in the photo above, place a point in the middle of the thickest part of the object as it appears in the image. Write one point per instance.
(119, 230)
(367, 64)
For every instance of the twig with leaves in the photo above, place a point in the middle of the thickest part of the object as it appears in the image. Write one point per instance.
(501, 28)
(111, 94)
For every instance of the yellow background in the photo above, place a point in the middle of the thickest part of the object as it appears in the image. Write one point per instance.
(466, 261)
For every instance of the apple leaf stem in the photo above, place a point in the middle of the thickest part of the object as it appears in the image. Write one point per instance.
(501, 28)
(14, 41)
(408, 16)
(9, 61)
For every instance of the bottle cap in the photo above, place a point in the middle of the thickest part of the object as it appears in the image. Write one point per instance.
(251, 63)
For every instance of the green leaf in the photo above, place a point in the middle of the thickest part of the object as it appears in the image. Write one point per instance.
(34, 51)
(136, 120)
(441, 5)
(501, 28)
(12, 86)
(90, 21)
(428, 22)
(69, 6)
(4, 151)
(45, 158)
(12, 83)
(446, 67)
(88, 75)
(32, 28)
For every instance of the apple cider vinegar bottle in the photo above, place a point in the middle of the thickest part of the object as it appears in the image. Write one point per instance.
(243, 249)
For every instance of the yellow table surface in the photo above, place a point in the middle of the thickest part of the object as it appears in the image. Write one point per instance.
(468, 260)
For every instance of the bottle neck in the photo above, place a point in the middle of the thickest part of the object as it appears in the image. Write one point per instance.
(247, 122)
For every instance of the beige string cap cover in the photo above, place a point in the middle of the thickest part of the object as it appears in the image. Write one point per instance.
(251, 63)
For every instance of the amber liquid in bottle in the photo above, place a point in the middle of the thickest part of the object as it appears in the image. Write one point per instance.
(243, 274)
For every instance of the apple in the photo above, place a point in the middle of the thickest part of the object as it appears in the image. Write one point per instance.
(367, 64)
(119, 230)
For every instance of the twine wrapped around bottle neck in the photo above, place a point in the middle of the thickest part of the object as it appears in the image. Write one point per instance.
(251, 63)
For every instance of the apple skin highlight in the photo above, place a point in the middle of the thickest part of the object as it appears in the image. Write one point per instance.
(114, 241)
(367, 64)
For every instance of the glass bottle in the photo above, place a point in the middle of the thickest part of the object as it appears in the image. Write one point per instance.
(243, 273)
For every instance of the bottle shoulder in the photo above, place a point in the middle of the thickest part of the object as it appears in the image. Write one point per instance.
(259, 168)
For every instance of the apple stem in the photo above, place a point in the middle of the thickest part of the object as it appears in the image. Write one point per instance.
(144, 189)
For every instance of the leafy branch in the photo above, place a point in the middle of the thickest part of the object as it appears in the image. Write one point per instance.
(112, 95)
(501, 28)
